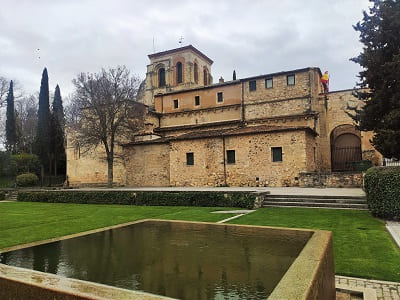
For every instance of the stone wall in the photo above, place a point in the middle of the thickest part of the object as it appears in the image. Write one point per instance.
(253, 160)
(208, 98)
(269, 109)
(340, 105)
(334, 179)
(88, 168)
(280, 89)
(147, 165)
(208, 168)
(203, 116)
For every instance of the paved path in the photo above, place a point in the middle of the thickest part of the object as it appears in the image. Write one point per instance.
(272, 190)
(394, 230)
(385, 290)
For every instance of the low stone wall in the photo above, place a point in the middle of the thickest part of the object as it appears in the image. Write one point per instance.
(334, 179)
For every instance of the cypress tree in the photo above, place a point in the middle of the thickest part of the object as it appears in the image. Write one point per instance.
(57, 134)
(380, 59)
(43, 128)
(11, 134)
(234, 75)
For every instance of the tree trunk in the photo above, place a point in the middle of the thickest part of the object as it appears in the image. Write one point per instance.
(110, 162)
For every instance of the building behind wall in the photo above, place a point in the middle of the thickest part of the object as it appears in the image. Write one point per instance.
(277, 129)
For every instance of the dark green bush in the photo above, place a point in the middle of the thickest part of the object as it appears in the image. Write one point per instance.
(27, 179)
(2, 195)
(382, 185)
(209, 199)
(26, 163)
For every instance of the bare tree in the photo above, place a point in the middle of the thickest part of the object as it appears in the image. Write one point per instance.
(4, 85)
(26, 118)
(108, 111)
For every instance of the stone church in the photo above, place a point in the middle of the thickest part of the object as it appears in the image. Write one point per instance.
(277, 129)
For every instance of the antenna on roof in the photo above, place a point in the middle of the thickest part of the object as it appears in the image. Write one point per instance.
(180, 40)
(154, 49)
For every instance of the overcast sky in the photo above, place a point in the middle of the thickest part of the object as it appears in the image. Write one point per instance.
(252, 37)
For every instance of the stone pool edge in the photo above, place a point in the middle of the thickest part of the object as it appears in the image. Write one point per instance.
(312, 274)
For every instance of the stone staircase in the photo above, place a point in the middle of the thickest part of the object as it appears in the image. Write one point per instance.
(12, 196)
(340, 202)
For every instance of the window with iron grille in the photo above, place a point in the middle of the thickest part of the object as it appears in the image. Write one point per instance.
(230, 156)
(190, 158)
(252, 85)
(276, 154)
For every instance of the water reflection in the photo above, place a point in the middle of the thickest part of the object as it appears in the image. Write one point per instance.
(185, 262)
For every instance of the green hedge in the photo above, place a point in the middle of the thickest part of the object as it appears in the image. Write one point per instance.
(209, 199)
(2, 195)
(27, 179)
(382, 185)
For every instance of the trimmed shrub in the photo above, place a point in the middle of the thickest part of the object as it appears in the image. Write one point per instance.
(209, 199)
(382, 185)
(2, 195)
(96, 197)
(27, 179)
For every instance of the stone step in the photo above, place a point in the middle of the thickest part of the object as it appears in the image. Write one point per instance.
(317, 200)
(315, 204)
(317, 197)
(298, 206)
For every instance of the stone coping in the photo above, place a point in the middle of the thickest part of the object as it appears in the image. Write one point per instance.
(39, 285)
(311, 274)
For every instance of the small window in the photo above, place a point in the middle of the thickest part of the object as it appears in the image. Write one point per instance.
(220, 97)
(230, 155)
(190, 158)
(252, 85)
(269, 83)
(197, 100)
(176, 103)
(290, 80)
(276, 154)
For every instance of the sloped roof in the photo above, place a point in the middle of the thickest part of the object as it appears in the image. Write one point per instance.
(224, 132)
(190, 47)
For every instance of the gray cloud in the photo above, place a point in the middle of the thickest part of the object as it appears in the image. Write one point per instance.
(257, 37)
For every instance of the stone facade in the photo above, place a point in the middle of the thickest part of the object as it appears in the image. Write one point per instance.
(192, 124)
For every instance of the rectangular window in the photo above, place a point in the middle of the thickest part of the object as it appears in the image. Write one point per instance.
(290, 79)
(176, 103)
(190, 158)
(252, 85)
(276, 154)
(197, 100)
(230, 155)
(269, 83)
(220, 97)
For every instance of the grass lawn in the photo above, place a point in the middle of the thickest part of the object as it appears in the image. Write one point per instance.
(362, 247)
(24, 222)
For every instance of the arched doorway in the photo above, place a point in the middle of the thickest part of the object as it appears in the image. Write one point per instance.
(345, 147)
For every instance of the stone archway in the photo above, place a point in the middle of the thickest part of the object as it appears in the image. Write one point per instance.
(345, 147)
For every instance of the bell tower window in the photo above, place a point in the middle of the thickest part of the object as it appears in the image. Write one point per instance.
(205, 76)
(196, 74)
(161, 77)
(179, 77)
